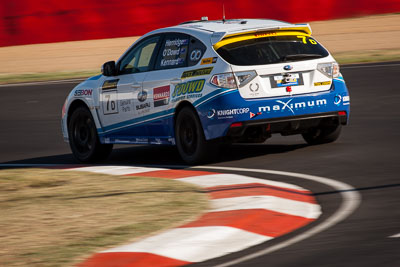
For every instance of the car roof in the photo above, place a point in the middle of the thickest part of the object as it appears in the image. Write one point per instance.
(219, 29)
(234, 25)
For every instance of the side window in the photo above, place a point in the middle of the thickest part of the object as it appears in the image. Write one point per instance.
(140, 58)
(196, 51)
(173, 52)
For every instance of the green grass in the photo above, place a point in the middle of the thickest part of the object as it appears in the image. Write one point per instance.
(59, 218)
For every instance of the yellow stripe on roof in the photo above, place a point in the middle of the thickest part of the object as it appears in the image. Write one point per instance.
(256, 35)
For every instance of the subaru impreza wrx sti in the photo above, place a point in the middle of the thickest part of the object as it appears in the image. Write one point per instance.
(203, 82)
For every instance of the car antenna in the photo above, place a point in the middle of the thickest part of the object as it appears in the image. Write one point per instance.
(223, 13)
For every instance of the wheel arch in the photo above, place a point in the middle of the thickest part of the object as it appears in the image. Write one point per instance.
(180, 106)
(82, 103)
(73, 106)
(186, 103)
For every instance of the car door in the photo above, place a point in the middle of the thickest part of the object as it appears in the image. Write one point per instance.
(122, 98)
(173, 59)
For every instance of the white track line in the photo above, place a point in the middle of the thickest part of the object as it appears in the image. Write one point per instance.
(277, 204)
(351, 200)
(395, 236)
(195, 244)
(115, 170)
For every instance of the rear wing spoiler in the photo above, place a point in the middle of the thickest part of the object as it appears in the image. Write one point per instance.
(218, 36)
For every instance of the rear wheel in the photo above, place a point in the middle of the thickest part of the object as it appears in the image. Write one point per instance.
(323, 134)
(189, 135)
(83, 138)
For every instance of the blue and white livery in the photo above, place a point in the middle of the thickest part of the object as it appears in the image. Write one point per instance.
(205, 82)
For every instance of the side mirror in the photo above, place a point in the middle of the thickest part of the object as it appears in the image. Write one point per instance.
(109, 69)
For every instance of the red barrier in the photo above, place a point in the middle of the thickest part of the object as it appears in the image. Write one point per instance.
(32, 21)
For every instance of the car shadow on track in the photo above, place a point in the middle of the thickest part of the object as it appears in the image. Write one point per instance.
(168, 155)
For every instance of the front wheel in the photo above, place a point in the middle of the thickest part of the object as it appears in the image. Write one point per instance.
(189, 135)
(83, 139)
(323, 134)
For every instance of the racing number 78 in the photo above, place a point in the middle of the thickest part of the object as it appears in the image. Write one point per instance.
(110, 105)
(304, 38)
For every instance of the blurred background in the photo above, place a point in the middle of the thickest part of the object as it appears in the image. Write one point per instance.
(68, 24)
(32, 21)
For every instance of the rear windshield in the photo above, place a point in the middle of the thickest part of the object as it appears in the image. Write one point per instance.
(270, 50)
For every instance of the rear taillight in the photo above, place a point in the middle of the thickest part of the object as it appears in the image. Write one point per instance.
(224, 80)
(233, 80)
(331, 70)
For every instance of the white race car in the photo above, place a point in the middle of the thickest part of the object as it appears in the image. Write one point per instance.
(202, 82)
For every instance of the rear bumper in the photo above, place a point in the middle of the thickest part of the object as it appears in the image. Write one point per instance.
(286, 125)
(219, 114)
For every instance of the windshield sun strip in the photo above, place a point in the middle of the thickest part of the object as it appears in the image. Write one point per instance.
(244, 37)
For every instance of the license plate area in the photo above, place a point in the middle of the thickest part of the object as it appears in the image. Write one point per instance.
(286, 79)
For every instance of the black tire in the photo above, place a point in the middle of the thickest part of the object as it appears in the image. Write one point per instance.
(189, 136)
(323, 134)
(83, 138)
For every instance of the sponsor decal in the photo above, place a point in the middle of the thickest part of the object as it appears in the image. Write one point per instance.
(341, 99)
(322, 83)
(171, 52)
(176, 42)
(174, 52)
(161, 95)
(171, 62)
(142, 96)
(143, 106)
(110, 84)
(209, 60)
(265, 34)
(195, 55)
(254, 87)
(211, 113)
(337, 100)
(86, 92)
(155, 141)
(234, 111)
(198, 72)
(227, 113)
(282, 106)
(125, 105)
(346, 100)
(191, 89)
(120, 141)
(141, 140)
(253, 115)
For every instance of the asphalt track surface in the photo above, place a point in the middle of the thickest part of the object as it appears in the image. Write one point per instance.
(366, 156)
